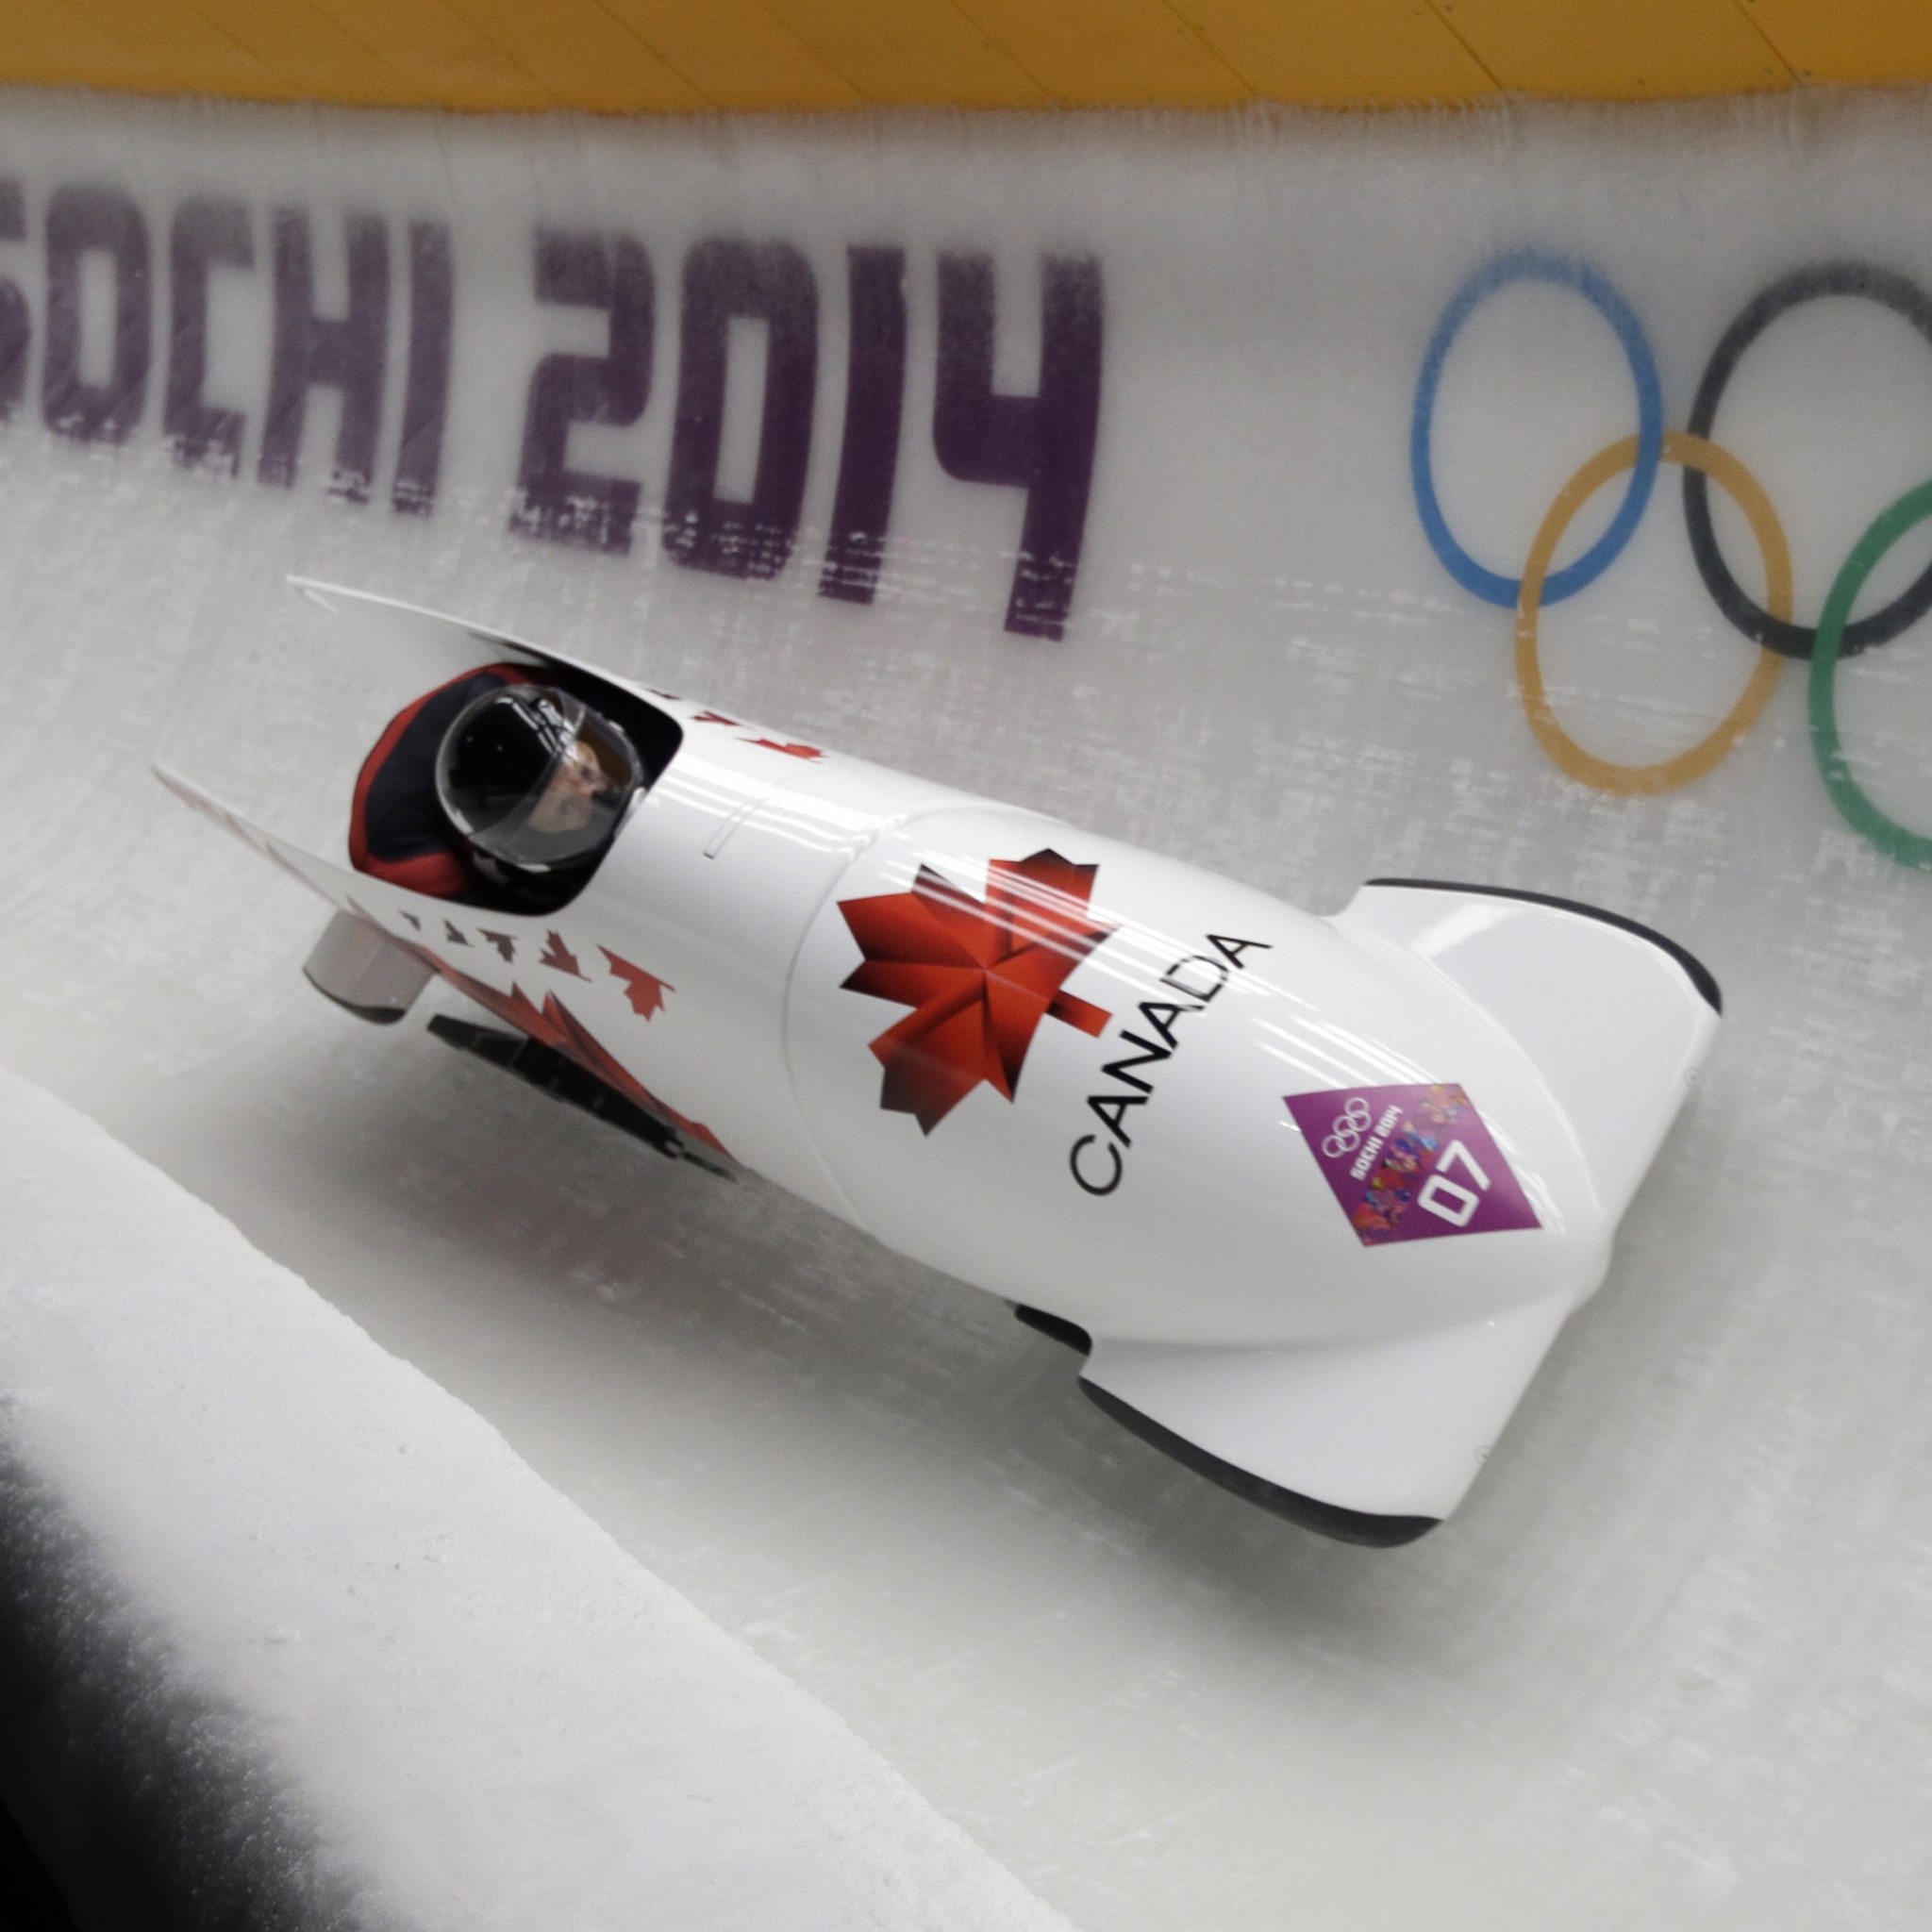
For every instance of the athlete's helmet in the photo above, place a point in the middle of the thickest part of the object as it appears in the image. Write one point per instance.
(534, 780)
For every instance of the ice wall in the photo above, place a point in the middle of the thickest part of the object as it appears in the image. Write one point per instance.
(1670, 1661)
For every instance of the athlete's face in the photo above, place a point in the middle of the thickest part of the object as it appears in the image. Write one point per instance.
(569, 800)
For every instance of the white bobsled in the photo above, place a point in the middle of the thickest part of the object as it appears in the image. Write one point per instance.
(1314, 1195)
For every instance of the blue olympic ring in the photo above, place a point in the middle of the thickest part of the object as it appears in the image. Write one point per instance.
(1534, 265)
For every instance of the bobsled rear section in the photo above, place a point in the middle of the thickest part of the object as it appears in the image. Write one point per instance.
(1615, 1018)
(1314, 1195)
(1374, 1440)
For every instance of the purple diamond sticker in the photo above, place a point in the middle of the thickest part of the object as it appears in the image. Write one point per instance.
(1408, 1163)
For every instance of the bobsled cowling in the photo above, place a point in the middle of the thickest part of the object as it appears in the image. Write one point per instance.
(1317, 1193)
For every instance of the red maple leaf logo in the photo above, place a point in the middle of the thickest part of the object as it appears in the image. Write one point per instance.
(978, 976)
(791, 751)
(646, 989)
(559, 958)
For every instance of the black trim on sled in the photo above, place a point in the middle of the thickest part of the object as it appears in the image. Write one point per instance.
(564, 1079)
(1700, 974)
(1056, 1328)
(1326, 1518)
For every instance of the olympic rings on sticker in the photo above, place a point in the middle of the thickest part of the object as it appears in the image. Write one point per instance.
(1534, 265)
(1698, 457)
(1346, 1129)
(1892, 839)
(1774, 629)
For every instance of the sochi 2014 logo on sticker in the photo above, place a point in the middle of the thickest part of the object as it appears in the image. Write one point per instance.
(1409, 1163)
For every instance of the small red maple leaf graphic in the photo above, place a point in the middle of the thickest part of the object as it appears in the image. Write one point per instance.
(646, 989)
(714, 718)
(979, 976)
(791, 751)
(559, 958)
(504, 942)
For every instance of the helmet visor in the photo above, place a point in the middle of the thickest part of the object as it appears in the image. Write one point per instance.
(535, 778)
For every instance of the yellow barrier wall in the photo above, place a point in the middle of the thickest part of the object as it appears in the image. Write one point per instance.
(657, 56)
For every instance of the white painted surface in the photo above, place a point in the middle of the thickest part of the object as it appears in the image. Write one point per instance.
(1670, 1664)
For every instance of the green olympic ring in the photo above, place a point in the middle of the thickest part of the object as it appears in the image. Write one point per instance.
(1892, 839)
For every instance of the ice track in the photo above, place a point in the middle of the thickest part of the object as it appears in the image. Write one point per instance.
(1672, 1664)
(294, 1639)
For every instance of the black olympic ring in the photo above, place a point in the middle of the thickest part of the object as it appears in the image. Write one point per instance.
(1905, 298)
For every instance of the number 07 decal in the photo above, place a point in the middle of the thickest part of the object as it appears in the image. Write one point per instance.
(1440, 1188)
(1411, 1163)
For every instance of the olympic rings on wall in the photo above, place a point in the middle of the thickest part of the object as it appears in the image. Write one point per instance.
(1699, 459)
(1703, 460)
(1775, 632)
(1533, 265)
(1892, 839)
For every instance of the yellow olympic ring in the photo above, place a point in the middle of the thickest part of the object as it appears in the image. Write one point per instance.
(1690, 453)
